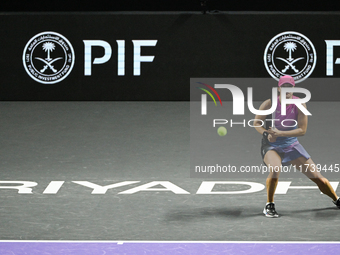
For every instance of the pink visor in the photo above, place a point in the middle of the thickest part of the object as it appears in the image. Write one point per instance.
(286, 79)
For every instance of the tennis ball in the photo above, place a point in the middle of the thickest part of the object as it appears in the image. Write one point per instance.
(221, 131)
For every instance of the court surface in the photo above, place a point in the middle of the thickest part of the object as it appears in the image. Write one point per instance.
(78, 144)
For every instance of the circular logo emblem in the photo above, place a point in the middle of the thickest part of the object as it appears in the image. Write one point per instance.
(290, 53)
(48, 57)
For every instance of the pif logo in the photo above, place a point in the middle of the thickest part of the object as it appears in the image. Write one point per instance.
(48, 57)
(290, 53)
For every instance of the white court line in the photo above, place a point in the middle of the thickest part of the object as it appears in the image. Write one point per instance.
(129, 241)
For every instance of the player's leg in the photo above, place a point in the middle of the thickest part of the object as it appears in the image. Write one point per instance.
(308, 167)
(273, 161)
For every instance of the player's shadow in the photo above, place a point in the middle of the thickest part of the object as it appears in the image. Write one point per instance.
(193, 214)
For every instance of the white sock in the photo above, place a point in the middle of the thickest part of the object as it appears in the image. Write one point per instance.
(270, 203)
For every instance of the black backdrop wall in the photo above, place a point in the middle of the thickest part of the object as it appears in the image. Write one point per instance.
(188, 45)
(170, 5)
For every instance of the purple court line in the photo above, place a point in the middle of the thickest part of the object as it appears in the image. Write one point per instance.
(165, 248)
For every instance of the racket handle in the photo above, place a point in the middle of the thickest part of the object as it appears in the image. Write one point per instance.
(265, 135)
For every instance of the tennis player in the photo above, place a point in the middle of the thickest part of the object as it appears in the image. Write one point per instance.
(280, 147)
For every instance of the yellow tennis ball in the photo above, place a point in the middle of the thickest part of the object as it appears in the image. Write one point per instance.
(221, 131)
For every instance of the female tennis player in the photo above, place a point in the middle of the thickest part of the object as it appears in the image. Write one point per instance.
(280, 147)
